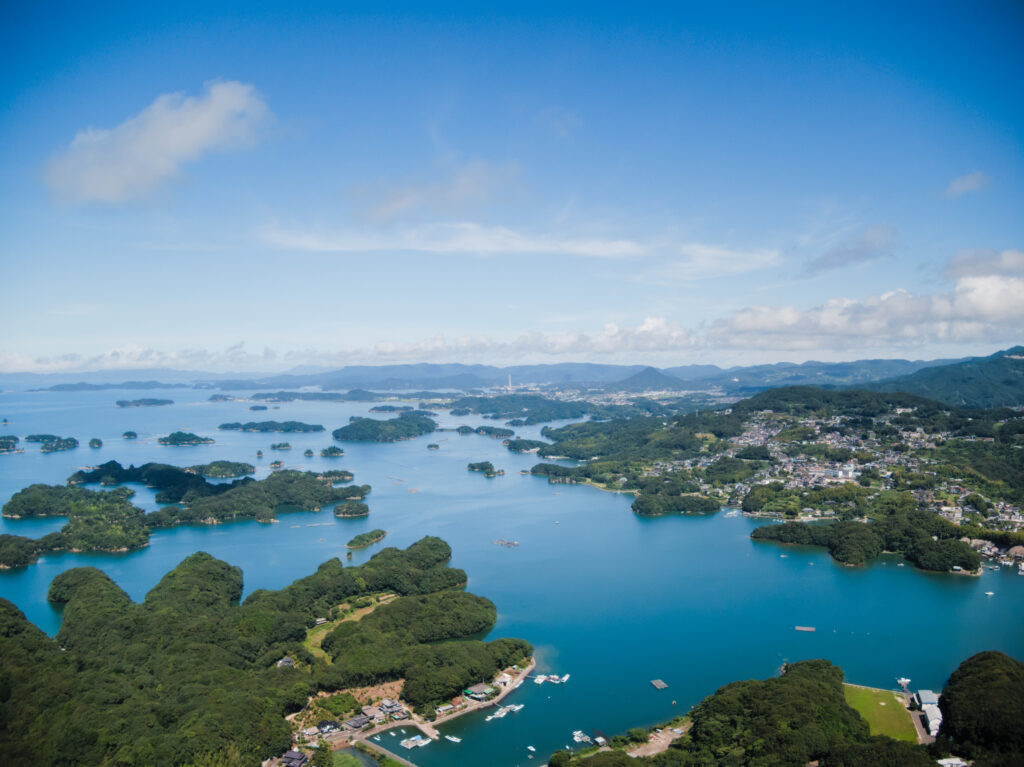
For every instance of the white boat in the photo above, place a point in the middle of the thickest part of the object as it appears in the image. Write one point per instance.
(489, 718)
(990, 593)
(500, 712)
(540, 679)
(453, 739)
(530, 748)
(515, 708)
(565, 679)
(377, 738)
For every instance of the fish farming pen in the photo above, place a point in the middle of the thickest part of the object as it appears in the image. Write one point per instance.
(658, 684)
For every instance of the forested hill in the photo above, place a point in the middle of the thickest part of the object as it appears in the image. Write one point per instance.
(189, 676)
(986, 382)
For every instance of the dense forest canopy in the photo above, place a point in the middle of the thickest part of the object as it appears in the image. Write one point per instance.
(189, 676)
(405, 426)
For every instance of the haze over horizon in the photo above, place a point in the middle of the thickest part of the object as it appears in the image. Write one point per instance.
(200, 188)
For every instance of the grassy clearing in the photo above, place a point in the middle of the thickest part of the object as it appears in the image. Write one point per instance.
(883, 711)
(315, 636)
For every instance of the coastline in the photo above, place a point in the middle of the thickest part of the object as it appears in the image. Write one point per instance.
(429, 729)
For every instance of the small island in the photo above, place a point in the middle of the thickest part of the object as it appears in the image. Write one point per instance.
(351, 509)
(106, 520)
(95, 442)
(308, 453)
(281, 446)
(363, 540)
(332, 452)
(257, 407)
(130, 435)
(494, 431)
(265, 426)
(391, 409)
(406, 426)
(144, 402)
(8, 444)
(433, 446)
(524, 445)
(222, 469)
(184, 439)
(277, 464)
(51, 443)
(332, 476)
(486, 468)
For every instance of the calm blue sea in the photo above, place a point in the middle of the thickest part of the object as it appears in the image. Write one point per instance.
(612, 599)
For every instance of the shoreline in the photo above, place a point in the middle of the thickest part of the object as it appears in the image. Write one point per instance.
(428, 729)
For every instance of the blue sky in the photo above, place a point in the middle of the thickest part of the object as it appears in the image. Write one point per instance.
(272, 185)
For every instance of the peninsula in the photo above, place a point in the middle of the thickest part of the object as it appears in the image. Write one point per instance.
(221, 665)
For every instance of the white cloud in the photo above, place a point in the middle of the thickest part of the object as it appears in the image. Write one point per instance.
(986, 262)
(697, 261)
(470, 186)
(146, 150)
(870, 244)
(453, 238)
(980, 308)
(971, 182)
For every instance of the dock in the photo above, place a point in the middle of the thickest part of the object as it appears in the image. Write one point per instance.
(658, 684)
(805, 628)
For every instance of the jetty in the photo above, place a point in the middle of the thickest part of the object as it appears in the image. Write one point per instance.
(658, 684)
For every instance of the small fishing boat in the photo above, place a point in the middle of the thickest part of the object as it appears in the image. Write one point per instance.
(530, 748)
(453, 739)
(990, 593)
(565, 679)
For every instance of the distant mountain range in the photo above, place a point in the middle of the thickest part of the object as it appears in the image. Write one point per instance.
(972, 382)
(994, 381)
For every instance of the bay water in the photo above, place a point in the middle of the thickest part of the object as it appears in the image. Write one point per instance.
(610, 598)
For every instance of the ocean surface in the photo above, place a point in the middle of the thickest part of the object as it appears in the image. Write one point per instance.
(612, 599)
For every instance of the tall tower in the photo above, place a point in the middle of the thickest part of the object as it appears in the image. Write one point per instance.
(510, 382)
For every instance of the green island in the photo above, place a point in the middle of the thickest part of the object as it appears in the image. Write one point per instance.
(144, 402)
(433, 446)
(130, 435)
(804, 717)
(332, 452)
(8, 443)
(277, 426)
(875, 472)
(51, 443)
(257, 407)
(223, 469)
(363, 540)
(391, 408)
(496, 432)
(335, 475)
(353, 508)
(486, 468)
(276, 465)
(525, 445)
(308, 453)
(183, 439)
(95, 442)
(105, 520)
(281, 446)
(405, 426)
(194, 652)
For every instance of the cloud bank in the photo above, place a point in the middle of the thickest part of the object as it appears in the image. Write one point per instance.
(972, 182)
(130, 160)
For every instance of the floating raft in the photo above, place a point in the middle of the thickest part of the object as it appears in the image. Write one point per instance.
(658, 684)
(805, 628)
